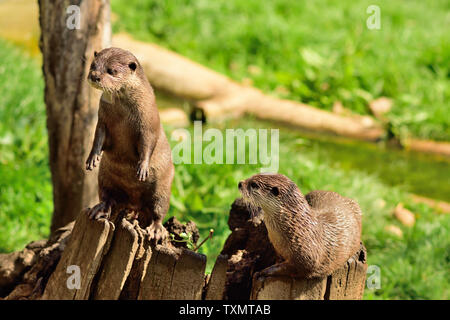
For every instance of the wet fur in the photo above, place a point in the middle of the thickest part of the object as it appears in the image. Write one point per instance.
(316, 233)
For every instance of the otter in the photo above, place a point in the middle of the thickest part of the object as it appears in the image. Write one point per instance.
(130, 145)
(315, 234)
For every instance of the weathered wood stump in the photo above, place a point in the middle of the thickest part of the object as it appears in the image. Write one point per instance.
(116, 260)
(88, 244)
(346, 283)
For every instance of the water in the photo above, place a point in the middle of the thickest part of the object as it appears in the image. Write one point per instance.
(422, 174)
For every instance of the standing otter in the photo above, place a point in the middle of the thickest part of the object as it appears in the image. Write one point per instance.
(136, 169)
(315, 234)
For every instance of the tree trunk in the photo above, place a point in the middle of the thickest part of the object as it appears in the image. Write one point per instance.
(71, 103)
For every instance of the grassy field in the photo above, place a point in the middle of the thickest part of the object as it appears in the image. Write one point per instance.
(25, 188)
(414, 267)
(318, 52)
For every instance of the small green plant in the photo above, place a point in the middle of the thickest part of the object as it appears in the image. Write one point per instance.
(186, 238)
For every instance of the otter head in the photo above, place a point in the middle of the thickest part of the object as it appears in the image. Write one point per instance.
(113, 70)
(270, 192)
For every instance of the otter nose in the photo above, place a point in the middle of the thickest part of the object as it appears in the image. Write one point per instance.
(94, 76)
(240, 185)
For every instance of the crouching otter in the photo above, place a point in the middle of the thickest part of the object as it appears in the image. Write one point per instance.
(315, 234)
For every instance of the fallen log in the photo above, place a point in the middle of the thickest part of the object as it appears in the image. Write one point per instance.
(428, 146)
(174, 117)
(219, 97)
(438, 205)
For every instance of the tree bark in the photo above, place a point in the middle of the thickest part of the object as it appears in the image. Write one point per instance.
(71, 103)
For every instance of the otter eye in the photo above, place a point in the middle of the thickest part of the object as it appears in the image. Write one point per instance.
(275, 191)
(110, 71)
(132, 66)
(253, 185)
(92, 66)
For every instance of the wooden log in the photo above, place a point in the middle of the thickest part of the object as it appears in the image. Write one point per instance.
(48, 253)
(285, 288)
(132, 285)
(117, 264)
(428, 146)
(89, 242)
(215, 289)
(174, 117)
(348, 282)
(173, 274)
(108, 262)
(173, 73)
(345, 283)
(438, 205)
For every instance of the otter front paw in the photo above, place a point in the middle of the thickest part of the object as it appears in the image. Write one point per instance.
(92, 161)
(143, 170)
(101, 210)
(157, 232)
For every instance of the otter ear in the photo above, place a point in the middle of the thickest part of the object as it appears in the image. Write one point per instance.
(95, 53)
(275, 191)
(132, 65)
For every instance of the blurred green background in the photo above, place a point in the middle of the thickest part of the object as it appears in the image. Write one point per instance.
(317, 52)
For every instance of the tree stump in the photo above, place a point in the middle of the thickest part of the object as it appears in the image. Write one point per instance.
(346, 283)
(88, 244)
(173, 274)
(116, 260)
(112, 260)
(215, 283)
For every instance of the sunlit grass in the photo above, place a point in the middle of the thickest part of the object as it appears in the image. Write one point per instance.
(413, 267)
(318, 52)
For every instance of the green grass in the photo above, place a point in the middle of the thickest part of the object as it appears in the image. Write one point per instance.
(315, 51)
(415, 267)
(25, 187)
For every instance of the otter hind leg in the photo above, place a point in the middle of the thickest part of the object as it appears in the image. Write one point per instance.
(280, 269)
(100, 210)
(156, 207)
(109, 199)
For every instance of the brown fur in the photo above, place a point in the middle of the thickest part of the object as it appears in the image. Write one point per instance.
(315, 234)
(136, 169)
